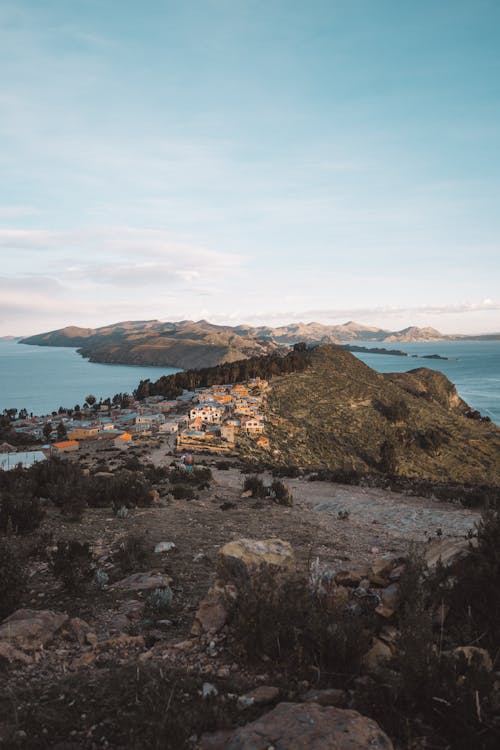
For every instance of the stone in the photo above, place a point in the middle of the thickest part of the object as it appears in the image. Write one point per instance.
(263, 695)
(240, 558)
(209, 690)
(85, 660)
(390, 598)
(164, 547)
(10, 654)
(213, 610)
(155, 498)
(80, 628)
(351, 577)
(307, 726)
(379, 653)
(142, 582)
(30, 629)
(327, 697)
(474, 654)
(447, 551)
(382, 566)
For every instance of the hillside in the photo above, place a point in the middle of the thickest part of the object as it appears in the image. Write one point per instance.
(341, 414)
(185, 344)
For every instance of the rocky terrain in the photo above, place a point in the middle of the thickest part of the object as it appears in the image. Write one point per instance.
(236, 621)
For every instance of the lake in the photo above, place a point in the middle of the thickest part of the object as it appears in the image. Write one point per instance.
(473, 366)
(42, 378)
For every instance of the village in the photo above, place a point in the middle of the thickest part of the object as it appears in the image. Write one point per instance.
(207, 420)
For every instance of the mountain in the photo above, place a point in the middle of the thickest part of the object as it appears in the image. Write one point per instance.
(342, 415)
(190, 344)
(185, 344)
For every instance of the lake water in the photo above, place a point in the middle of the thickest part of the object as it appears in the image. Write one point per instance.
(42, 378)
(474, 367)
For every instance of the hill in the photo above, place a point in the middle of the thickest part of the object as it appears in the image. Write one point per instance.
(186, 344)
(340, 414)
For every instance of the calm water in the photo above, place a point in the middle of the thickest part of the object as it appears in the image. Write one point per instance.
(42, 378)
(473, 366)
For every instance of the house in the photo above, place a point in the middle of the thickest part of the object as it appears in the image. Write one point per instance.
(207, 413)
(66, 446)
(123, 441)
(26, 459)
(252, 426)
(83, 433)
(227, 433)
(169, 427)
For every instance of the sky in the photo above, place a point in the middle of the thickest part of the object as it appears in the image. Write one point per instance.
(259, 161)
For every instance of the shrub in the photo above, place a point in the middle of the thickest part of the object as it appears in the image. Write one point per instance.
(180, 492)
(281, 617)
(12, 578)
(255, 485)
(133, 553)
(19, 514)
(73, 564)
(223, 465)
(160, 600)
(397, 411)
(281, 493)
(69, 494)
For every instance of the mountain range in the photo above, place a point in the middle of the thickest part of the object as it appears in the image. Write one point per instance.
(190, 344)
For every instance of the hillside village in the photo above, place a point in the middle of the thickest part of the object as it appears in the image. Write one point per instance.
(205, 419)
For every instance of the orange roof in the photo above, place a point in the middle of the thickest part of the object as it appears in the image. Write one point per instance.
(65, 443)
(125, 436)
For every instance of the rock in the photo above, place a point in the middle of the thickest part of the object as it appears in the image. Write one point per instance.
(240, 558)
(474, 654)
(390, 598)
(382, 566)
(142, 582)
(246, 493)
(211, 615)
(209, 691)
(30, 629)
(351, 577)
(85, 660)
(307, 726)
(155, 498)
(447, 551)
(164, 547)
(123, 641)
(10, 654)
(263, 695)
(379, 653)
(80, 629)
(328, 697)
(216, 741)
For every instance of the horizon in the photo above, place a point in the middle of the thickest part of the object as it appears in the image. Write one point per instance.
(246, 161)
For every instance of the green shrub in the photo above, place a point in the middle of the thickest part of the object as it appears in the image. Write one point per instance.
(134, 553)
(13, 578)
(159, 601)
(18, 513)
(255, 485)
(73, 564)
(281, 493)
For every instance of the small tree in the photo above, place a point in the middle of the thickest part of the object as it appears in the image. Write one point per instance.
(90, 399)
(61, 432)
(47, 429)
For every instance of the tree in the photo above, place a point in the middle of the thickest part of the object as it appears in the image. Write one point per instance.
(47, 429)
(90, 399)
(61, 432)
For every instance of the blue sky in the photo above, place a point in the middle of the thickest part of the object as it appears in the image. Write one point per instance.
(248, 161)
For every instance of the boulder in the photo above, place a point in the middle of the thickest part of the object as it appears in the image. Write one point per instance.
(213, 610)
(474, 654)
(80, 629)
(382, 566)
(142, 582)
(9, 653)
(164, 547)
(240, 558)
(379, 653)
(307, 726)
(30, 629)
(351, 577)
(447, 551)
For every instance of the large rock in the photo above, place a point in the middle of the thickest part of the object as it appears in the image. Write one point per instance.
(30, 629)
(307, 726)
(142, 582)
(242, 557)
(213, 610)
(446, 551)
